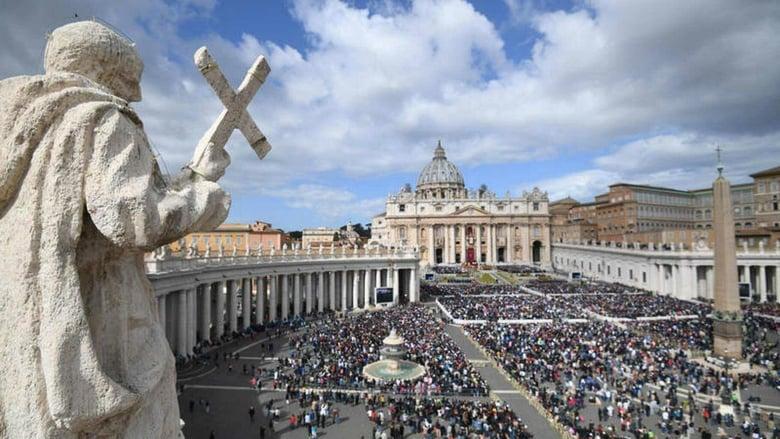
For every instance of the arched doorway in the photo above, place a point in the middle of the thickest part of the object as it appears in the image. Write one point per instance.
(537, 252)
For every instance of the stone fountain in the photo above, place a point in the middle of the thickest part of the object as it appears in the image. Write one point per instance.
(392, 366)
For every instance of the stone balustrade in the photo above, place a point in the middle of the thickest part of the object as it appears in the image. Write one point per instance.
(670, 269)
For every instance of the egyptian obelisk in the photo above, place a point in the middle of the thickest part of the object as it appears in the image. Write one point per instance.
(727, 318)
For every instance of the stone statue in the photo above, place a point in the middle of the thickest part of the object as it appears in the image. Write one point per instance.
(81, 200)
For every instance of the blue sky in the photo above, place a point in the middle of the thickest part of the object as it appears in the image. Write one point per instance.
(567, 96)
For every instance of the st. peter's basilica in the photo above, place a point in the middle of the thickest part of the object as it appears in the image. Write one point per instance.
(451, 224)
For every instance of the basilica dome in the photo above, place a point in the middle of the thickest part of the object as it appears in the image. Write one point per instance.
(440, 173)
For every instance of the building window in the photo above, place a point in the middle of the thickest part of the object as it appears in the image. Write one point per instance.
(402, 207)
(438, 208)
(536, 206)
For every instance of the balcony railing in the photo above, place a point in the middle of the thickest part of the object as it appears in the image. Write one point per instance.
(164, 261)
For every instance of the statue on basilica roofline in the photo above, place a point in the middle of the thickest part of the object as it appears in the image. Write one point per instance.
(82, 199)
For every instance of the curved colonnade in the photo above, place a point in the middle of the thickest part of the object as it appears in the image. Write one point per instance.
(201, 298)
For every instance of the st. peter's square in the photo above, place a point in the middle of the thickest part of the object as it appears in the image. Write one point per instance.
(380, 219)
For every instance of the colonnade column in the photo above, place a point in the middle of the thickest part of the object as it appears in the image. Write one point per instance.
(413, 285)
(709, 274)
(296, 295)
(355, 288)
(181, 323)
(332, 290)
(233, 305)
(192, 319)
(378, 278)
(396, 290)
(205, 315)
(246, 303)
(260, 288)
(762, 282)
(285, 279)
(344, 287)
(273, 297)
(309, 295)
(220, 317)
(320, 292)
(367, 288)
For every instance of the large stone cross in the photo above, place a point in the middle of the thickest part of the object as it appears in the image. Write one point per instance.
(235, 114)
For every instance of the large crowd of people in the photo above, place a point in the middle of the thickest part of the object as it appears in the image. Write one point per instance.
(595, 378)
(515, 307)
(559, 286)
(443, 418)
(435, 290)
(332, 353)
(638, 305)
(523, 270)
(573, 368)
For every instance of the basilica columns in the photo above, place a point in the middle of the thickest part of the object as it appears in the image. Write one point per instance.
(462, 243)
(413, 285)
(432, 245)
(396, 285)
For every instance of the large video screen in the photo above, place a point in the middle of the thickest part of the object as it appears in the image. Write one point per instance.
(383, 295)
(744, 290)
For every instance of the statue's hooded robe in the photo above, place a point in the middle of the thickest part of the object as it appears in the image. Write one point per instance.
(81, 200)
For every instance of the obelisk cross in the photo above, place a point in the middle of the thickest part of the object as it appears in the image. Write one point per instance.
(718, 150)
(234, 115)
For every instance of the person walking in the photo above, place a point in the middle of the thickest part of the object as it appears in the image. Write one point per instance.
(251, 413)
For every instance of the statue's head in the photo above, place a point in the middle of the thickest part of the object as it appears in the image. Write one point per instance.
(93, 50)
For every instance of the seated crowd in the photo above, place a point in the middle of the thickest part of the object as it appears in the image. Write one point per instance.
(638, 305)
(769, 309)
(574, 368)
(444, 418)
(467, 290)
(519, 307)
(333, 353)
(558, 286)
(448, 269)
(523, 270)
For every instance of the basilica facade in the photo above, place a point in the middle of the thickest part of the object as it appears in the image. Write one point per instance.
(451, 224)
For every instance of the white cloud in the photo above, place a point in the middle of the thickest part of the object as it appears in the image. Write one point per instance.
(329, 202)
(377, 87)
(579, 185)
(681, 161)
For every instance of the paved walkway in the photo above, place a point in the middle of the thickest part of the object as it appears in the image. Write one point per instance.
(502, 387)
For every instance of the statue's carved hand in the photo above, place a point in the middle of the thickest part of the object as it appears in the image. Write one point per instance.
(211, 164)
